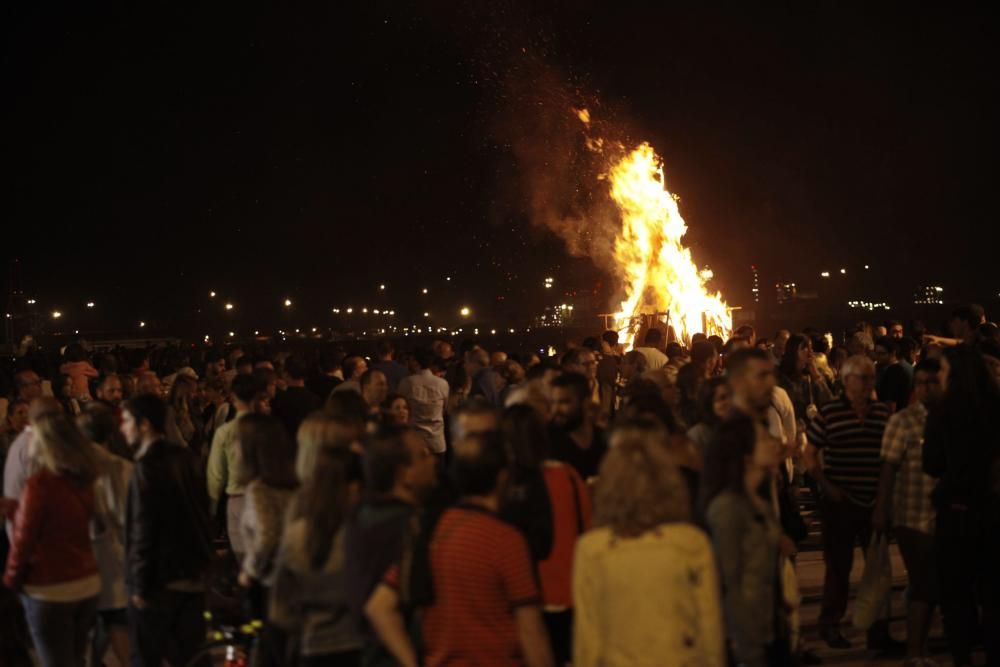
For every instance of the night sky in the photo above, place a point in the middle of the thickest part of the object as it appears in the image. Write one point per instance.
(155, 152)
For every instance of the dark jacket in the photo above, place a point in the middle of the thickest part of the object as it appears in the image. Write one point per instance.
(167, 536)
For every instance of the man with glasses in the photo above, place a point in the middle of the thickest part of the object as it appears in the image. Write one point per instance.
(844, 457)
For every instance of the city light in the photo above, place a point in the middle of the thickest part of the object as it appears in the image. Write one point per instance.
(229, 306)
(448, 278)
(211, 295)
(350, 310)
(231, 334)
(142, 324)
(427, 314)
(843, 271)
(336, 310)
(90, 304)
(548, 283)
(56, 314)
(424, 290)
(825, 274)
(288, 303)
(866, 267)
(364, 310)
(465, 311)
(381, 287)
(31, 302)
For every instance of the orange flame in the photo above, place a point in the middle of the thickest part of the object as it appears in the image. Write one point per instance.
(659, 274)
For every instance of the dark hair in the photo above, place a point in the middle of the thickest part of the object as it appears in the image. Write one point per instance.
(351, 364)
(739, 360)
(347, 405)
(702, 351)
(423, 357)
(706, 400)
(247, 387)
(674, 350)
(725, 458)
(525, 437)
(368, 376)
(728, 348)
(148, 407)
(610, 337)
(385, 454)
(654, 337)
(906, 346)
(717, 342)
(928, 365)
(591, 343)
(888, 344)
(75, 352)
(972, 314)
(384, 348)
(331, 361)
(266, 452)
(477, 463)
(296, 368)
(745, 331)
(245, 360)
(819, 344)
(575, 382)
(789, 366)
(213, 357)
(97, 422)
(645, 402)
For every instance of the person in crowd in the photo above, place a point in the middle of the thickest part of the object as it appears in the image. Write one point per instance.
(13, 425)
(400, 470)
(961, 451)
(215, 365)
(62, 389)
(513, 375)
(892, 380)
(904, 503)
(486, 605)
(799, 375)
(374, 390)
(331, 374)
(485, 381)
(271, 382)
(218, 409)
(27, 385)
(268, 472)
(354, 367)
(633, 367)
(327, 429)
(739, 463)
(896, 330)
(99, 425)
(167, 540)
(704, 364)
(223, 458)
(645, 588)
(19, 466)
(714, 405)
(393, 370)
(747, 332)
(51, 560)
(655, 359)
(573, 436)
(427, 396)
(182, 425)
(148, 382)
(848, 431)
(583, 361)
(965, 322)
(110, 390)
(80, 371)
(309, 600)
(296, 402)
(551, 505)
(395, 410)
(608, 368)
(779, 344)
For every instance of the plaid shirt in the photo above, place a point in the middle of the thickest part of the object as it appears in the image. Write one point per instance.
(903, 447)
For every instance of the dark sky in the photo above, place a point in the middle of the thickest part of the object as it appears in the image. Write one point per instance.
(155, 151)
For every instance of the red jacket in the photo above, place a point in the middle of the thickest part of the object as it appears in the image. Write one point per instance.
(51, 542)
(571, 516)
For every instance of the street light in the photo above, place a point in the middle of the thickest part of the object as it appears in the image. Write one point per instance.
(825, 274)
(229, 306)
(288, 303)
(142, 324)
(211, 295)
(424, 290)
(381, 287)
(427, 314)
(843, 271)
(90, 304)
(465, 311)
(56, 314)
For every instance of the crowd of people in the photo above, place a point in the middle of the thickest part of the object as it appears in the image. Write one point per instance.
(468, 506)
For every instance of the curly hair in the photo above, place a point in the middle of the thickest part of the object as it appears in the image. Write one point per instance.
(639, 486)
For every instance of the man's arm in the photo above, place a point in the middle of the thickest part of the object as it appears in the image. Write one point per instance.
(815, 467)
(382, 611)
(534, 637)
(216, 473)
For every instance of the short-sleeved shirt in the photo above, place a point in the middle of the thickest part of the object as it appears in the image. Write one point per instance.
(482, 572)
(587, 462)
(852, 447)
(903, 447)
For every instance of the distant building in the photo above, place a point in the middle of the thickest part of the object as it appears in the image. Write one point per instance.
(786, 292)
(929, 295)
(756, 284)
(869, 305)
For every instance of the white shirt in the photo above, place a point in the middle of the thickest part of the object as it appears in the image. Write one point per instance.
(427, 396)
(655, 359)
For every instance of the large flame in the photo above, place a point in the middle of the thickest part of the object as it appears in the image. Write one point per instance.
(661, 280)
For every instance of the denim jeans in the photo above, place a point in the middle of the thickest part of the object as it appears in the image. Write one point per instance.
(60, 630)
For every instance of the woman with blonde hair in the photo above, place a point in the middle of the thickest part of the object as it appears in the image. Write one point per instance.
(645, 588)
(51, 561)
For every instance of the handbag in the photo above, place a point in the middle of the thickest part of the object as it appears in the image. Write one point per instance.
(872, 602)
